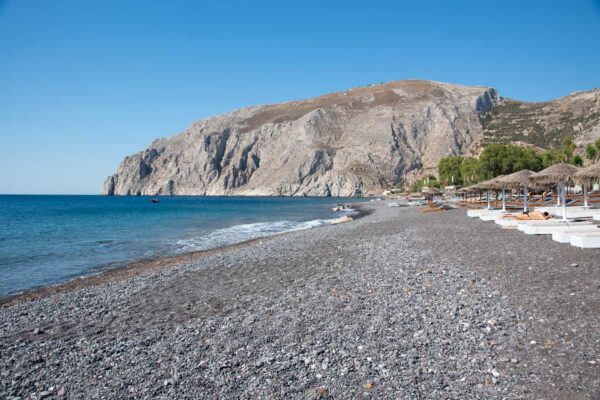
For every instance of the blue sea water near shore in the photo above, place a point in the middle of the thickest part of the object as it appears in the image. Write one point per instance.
(50, 239)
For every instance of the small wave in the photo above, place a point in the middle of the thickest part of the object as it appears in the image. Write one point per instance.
(241, 233)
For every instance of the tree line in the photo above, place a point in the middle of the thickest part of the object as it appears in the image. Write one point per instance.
(503, 159)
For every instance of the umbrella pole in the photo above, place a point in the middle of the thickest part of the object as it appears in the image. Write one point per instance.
(564, 201)
(525, 200)
(487, 194)
(503, 200)
(585, 197)
(558, 193)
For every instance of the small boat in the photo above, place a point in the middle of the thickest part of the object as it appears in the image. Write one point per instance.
(154, 201)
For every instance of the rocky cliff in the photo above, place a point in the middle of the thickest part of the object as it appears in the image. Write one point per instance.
(341, 144)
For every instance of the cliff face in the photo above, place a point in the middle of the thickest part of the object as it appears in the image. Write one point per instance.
(341, 144)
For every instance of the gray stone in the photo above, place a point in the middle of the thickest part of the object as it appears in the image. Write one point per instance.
(333, 145)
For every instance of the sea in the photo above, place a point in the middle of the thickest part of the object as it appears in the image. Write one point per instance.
(50, 239)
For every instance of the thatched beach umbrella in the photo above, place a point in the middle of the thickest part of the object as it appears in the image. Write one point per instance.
(477, 190)
(586, 177)
(429, 193)
(492, 184)
(518, 180)
(463, 193)
(559, 175)
(470, 189)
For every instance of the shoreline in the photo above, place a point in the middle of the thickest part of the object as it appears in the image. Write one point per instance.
(137, 267)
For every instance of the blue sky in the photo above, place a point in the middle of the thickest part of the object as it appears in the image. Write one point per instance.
(82, 83)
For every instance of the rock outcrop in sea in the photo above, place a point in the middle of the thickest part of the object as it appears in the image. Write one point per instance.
(342, 144)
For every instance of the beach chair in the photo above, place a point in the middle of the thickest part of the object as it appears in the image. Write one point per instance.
(436, 206)
(507, 223)
(548, 227)
(522, 224)
(586, 240)
(564, 236)
(482, 211)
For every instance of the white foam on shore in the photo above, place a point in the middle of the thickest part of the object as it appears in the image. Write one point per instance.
(242, 233)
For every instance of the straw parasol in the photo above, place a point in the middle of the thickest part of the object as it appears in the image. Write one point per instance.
(469, 189)
(587, 177)
(518, 180)
(491, 184)
(430, 191)
(559, 175)
(472, 188)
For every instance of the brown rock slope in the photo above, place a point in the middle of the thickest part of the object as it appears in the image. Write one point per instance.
(544, 124)
(341, 144)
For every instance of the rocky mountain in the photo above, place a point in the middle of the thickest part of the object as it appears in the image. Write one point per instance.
(544, 124)
(342, 144)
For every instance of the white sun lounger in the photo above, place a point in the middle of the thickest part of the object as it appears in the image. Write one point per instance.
(493, 216)
(548, 229)
(558, 210)
(596, 217)
(521, 224)
(586, 240)
(578, 213)
(584, 214)
(510, 222)
(507, 223)
(565, 235)
(481, 211)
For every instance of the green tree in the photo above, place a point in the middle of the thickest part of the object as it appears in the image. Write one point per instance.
(591, 152)
(449, 170)
(577, 160)
(432, 181)
(552, 157)
(568, 148)
(502, 159)
(470, 171)
(416, 186)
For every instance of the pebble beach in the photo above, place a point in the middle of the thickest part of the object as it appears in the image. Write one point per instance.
(396, 304)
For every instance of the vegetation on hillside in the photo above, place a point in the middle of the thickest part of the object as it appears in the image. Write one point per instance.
(592, 151)
(542, 124)
(429, 181)
(503, 159)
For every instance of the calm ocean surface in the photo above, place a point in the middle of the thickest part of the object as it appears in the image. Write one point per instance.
(49, 239)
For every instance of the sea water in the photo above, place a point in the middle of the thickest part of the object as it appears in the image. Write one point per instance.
(50, 239)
